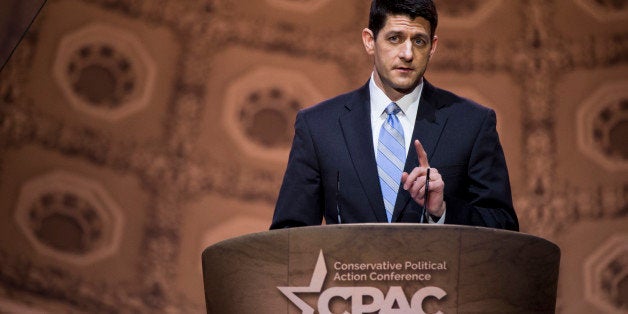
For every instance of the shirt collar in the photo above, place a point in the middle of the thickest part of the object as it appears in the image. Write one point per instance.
(379, 100)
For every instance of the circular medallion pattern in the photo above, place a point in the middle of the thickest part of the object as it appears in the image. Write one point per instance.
(101, 76)
(268, 115)
(104, 71)
(65, 222)
(603, 126)
(606, 273)
(261, 109)
(610, 130)
(69, 217)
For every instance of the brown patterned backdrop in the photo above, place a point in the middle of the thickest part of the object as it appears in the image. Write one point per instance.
(133, 134)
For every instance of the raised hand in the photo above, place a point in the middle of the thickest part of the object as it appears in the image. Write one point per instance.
(414, 183)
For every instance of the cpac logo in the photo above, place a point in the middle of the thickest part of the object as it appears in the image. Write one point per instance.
(381, 303)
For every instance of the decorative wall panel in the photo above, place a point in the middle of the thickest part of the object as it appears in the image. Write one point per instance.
(69, 217)
(603, 121)
(606, 272)
(261, 107)
(104, 71)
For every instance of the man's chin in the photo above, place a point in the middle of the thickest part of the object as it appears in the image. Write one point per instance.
(406, 83)
(406, 88)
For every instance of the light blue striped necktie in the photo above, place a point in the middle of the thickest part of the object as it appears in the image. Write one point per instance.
(391, 158)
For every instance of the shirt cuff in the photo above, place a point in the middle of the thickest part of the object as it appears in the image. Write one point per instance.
(441, 220)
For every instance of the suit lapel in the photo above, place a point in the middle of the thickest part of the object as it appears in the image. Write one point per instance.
(356, 128)
(428, 127)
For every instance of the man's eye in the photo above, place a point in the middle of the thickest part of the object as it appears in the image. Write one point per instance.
(393, 39)
(419, 42)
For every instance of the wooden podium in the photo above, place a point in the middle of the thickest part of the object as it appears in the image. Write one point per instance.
(382, 268)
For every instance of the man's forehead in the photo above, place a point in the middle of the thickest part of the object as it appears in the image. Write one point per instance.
(400, 22)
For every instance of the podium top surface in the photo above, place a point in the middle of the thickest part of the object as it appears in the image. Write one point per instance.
(405, 228)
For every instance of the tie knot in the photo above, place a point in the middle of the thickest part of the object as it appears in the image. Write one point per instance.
(392, 109)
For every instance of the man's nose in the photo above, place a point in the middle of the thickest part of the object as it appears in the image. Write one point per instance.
(406, 52)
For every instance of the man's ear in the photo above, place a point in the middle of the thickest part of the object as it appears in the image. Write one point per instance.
(369, 41)
(434, 44)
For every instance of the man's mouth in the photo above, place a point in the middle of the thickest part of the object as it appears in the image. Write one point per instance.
(404, 69)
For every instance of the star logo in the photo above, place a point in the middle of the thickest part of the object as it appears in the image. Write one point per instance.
(316, 284)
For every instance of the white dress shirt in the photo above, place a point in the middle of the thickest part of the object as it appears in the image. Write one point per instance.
(409, 105)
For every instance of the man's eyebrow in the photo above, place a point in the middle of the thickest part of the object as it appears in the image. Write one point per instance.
(421, 35)
(392, 32)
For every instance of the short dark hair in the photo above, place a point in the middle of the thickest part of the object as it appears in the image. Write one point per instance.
(380, 9)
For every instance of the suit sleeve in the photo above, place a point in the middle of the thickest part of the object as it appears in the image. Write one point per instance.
(489, 194)
(300, 201)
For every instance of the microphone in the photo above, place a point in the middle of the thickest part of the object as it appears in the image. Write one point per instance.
(425, 213)
(338, 197)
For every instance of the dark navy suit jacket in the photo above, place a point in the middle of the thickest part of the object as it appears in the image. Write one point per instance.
(332, 164)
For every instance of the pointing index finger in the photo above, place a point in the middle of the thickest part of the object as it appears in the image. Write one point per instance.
(422, 154)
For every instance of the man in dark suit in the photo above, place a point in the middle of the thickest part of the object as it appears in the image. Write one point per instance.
(368, 155)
